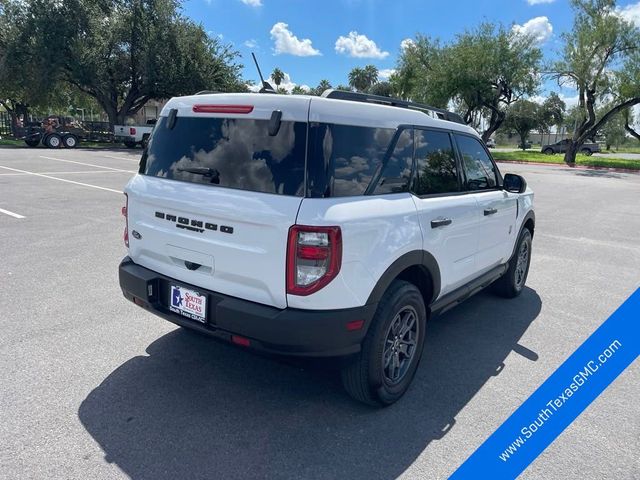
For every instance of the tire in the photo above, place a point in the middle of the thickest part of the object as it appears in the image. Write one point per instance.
(130, 144)
(70, 141)
(548, 151)
(366, 377)
(586, 151)
(511, 284)
(32, 142)
(53, 141)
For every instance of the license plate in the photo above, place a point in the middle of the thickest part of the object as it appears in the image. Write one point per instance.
(188, 303)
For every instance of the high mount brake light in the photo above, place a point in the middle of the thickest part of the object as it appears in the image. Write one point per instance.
(314, 257)
(125, 214)
(223, 109)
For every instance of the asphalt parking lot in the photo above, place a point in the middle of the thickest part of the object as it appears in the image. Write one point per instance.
(94, 387)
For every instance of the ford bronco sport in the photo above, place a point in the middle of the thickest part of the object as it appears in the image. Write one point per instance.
(321, 226)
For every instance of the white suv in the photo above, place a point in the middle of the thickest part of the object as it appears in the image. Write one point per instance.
(321, 226)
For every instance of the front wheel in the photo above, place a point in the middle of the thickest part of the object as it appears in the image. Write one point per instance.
(383, 370)
(548, 151)
(511, 284)
(587, 152)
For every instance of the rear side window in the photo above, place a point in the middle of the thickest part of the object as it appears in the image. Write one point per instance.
(229, 152)
(396, 169)
(436, 170)
(344, 159)
(479, 169)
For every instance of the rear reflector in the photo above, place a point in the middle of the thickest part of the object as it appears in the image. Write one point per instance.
(245, 342)
(223, 108)
(355, 325)
(132, 131)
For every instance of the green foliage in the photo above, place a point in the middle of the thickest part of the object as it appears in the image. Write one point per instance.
(384, 89)
(482, 71)
(322, 86)
(362, 79)
(602, 60)
(121, 52)
(552, 112)
(278, 76)
(593, 161)
(522, 117)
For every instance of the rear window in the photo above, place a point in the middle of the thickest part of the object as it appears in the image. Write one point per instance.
(229, 152)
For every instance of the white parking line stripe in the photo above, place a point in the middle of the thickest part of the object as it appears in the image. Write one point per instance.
(88, 164)
(62, 179)
(11, 214)
(61, 173)
(122, 158)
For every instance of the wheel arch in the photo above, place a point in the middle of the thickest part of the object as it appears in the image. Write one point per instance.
(418, 267)
(528, 222)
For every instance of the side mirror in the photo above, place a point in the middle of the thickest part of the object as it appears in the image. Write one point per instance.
(514, 183)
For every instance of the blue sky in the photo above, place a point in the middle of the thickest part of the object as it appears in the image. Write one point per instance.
(314, 40)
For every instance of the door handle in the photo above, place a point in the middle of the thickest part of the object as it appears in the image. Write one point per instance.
(490, 211)
(440, 222)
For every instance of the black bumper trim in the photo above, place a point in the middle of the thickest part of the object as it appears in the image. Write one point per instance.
(289, 331)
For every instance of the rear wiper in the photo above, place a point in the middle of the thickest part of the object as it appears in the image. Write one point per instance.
(204, 171)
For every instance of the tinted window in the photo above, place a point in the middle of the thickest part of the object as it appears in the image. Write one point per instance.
(436, 170)
(396, 171)
(239, 153)
(478, 167)
(344, 159)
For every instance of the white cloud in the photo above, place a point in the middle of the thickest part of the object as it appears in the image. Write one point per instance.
(286, 83)
(631, 13)
(250, 43)
(287, 42)
(252, 3)
(406, 43)
(569, 100)
(539, 28)
(385, 73)
(359, 46)
(538, 2)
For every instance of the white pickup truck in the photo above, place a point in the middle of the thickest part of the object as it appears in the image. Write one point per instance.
(133, 135)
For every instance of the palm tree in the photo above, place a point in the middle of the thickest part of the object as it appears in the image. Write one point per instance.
(278, 76)
(371, 74)
(322, 86)
(298, 90)
(358, 79)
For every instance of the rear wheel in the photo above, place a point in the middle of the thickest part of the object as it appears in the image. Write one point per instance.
(32, 142)
(70, 141)
(383, 370)
(129, 144)
(586, 151)
(53, 141)
(511, 284)
(548, 151)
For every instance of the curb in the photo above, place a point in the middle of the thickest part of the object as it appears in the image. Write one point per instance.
(577, 167)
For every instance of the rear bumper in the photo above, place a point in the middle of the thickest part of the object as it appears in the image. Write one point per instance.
(315, 333)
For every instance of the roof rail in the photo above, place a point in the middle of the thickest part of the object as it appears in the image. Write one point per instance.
(393, 102)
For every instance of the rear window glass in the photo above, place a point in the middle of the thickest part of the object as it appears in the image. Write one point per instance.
(344, 159)
(229, 152)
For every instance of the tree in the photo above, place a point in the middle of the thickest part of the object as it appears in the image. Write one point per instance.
(602, 60)
(363, 78)
(384, 89)
(278, 76)
(613, 130)
(522, 117)
(298, 90)
(551, 113)
(125, 52)
(322, 86)
(483, 71)
(628, 121)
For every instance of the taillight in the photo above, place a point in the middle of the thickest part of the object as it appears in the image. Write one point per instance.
(125, 214)
(132, 131)
(314, 256)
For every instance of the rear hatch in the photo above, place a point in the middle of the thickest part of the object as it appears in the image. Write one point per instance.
(218, 191)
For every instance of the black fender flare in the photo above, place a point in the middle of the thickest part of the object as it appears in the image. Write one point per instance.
(529, 216)
(419, 258)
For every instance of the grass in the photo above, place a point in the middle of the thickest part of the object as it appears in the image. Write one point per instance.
(11, 142)
(529, 156)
